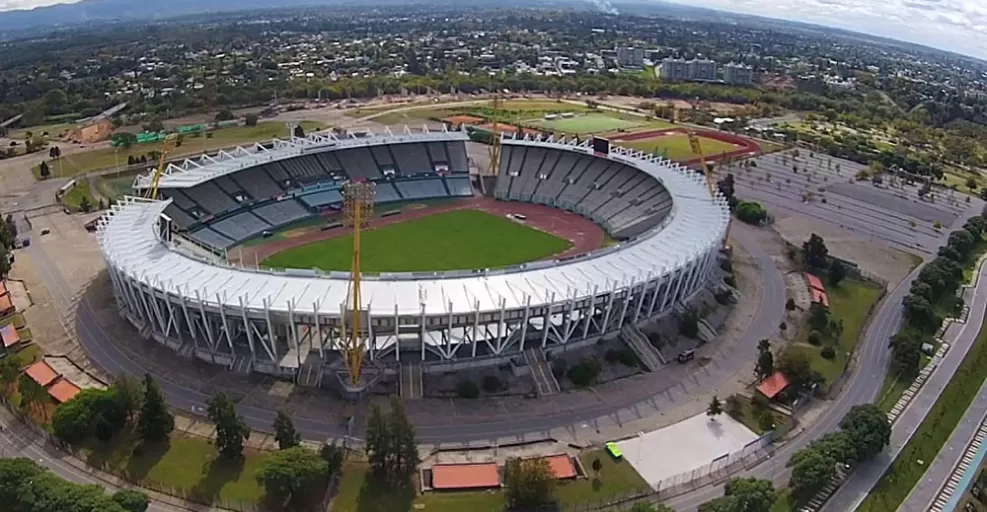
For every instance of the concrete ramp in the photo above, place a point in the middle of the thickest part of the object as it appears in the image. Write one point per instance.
(411, 381)
(545, 382)
(638, 342)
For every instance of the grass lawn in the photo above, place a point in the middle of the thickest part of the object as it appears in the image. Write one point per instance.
(187, 466)
(464, 239)
(952, 177)
(358, 494)
(73, 198)
(676, 146)
(108, 158)
(114, 188)
(932, 434)
(748, 417)
(588, 123)
(54, 131)
(851, 302)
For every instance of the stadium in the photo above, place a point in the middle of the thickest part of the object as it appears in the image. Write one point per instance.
(175, 278)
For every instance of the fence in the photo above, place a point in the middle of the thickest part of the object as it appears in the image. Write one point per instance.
(715, 471)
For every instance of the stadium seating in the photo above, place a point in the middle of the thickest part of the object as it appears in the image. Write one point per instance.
(212, 238)
(411, 158)
(458, 161)
(422, 188)
(210, 197)
(358, 163)
(437, 152)
(386, 193)
(178, 216)
(459, 186)
(257, 183)
(320, 199)
(282, 212)
(240, 226)
(624, 200)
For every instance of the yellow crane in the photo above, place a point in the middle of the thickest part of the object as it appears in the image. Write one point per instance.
(697, 148)
(166, 147)
(358, 207)
(494, 150)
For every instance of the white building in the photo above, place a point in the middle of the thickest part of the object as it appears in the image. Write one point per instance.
(739, 74)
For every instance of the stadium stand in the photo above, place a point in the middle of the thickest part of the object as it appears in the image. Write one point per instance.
(411, 158)
(459, 186)
(358, 163)
(257, 182)
(241, 226)
(458, 161)
(211, 238)
(211, 198)
(386, 193)
(282, 212)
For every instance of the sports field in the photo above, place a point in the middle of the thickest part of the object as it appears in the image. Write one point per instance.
(461, 239)
(588, 123)
(675, 146)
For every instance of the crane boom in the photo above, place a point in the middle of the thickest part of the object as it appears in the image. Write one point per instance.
(166, 147)
(697, 148)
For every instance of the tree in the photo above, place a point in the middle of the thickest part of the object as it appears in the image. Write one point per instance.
(906, 352)
(815, 252)
(836, 445)
(812, 470)
(11, 226)
(868, 430)
(224, 115)
(299, 131)
(837, 272)
(715, 408)
(530, 484)
(5, 265)
(390, 444)
(765, 360)
(231, 430)
(26, 487)
(123, 139)
(72, 421)
(155, 422)
(797, 367)
(333, 455)
(85, 205)
(9, 372)
(651, 507)
(33, 395)
(43, 170)
(289, 473)
(750, 212)
(743, 495)
(131, 501)
(284, 431)
(250, 120)
(921, 314)
(129, 394)
(818, 317)
(597, 465)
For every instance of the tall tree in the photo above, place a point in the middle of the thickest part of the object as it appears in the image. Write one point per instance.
(868, 430)
(288, 473)
(405, 445)
(765, 360)
(530, 484)
(378, 443)
(811, 471)
(33, 395)
(284, 431)
(155, 422)
(129, 394)
(231, 430)
(715, 408)
(9, 372)
(815, 252)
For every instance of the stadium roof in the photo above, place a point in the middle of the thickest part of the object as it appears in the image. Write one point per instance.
(129, 243)
(194, 171)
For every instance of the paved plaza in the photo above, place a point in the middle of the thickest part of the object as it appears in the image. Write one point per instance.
(685, 446)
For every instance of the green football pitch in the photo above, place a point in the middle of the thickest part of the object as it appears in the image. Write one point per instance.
(462, 239)
(588, 123)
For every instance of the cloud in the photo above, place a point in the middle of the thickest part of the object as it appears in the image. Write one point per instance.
(955, 25)
(10, 5)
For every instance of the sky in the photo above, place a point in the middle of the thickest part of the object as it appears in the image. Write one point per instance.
(956, 25)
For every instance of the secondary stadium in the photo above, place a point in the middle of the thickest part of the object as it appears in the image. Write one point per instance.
(432, 294)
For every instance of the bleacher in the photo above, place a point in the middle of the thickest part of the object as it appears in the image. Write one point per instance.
(240, 226)
(625, 201)
(312, 182)
(282, 212)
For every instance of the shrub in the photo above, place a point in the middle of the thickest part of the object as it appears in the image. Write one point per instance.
(467, 389)
(751, 212)
(828, 352)
(689, 326)
(491, 384)
(766, 420)
(730, 281)
(760, 402)
(611, 356)
(584, 373)
(783, 326)
(790, 305)
(815, 337)
(627, 357)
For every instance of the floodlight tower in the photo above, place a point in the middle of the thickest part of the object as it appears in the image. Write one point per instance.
(358, 206)
(166, 147)
(495, 136)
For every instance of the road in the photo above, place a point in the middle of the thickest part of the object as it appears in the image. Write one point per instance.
(862, 387)
(20, 440)
(941, 469)
(855, 489)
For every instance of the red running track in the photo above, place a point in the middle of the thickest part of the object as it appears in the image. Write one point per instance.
(584, 234)
(745, 146)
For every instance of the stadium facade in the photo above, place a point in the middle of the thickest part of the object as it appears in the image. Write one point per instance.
(170, 281)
